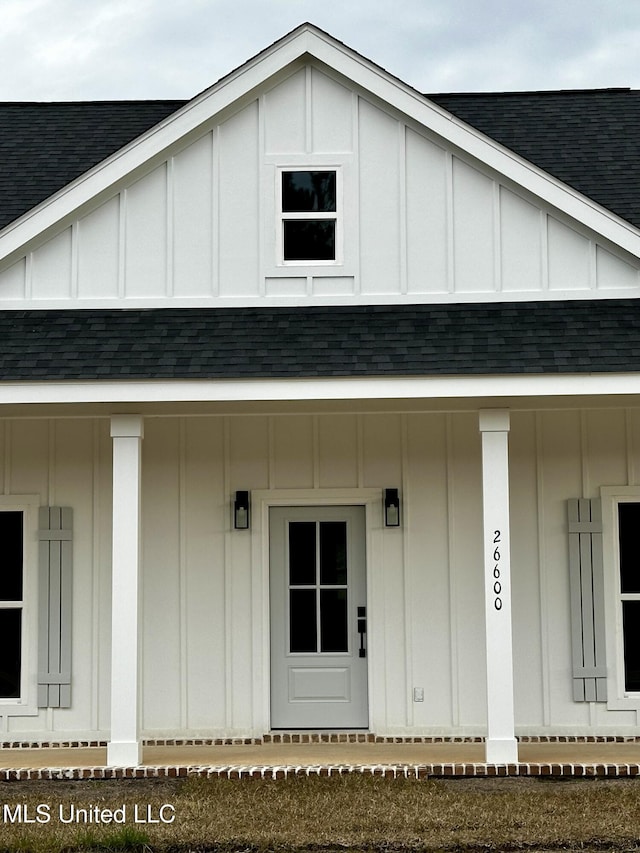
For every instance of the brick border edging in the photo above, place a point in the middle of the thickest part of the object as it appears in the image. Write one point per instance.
(320, 737)
(420, 771)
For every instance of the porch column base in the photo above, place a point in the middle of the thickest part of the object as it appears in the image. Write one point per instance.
(124, 753)
(503, 751)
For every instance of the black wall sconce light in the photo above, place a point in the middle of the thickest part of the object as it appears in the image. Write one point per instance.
(391, 508)
(241, 511)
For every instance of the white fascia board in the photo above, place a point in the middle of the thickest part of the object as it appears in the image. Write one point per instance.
(474, 143)
(292, 390)
(151, 144)
(308, 40)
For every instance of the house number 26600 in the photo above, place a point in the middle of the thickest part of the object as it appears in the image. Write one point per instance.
(497, 586)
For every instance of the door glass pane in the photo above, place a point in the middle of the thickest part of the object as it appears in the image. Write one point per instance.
(302, 620)
(10, 652)
(11, 560)
(631, 629)
(629, 530)
(306, 192)
(333, 552)
(333, 620)
(302, 552)
(309, 239)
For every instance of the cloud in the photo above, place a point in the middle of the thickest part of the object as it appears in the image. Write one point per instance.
(90, 49)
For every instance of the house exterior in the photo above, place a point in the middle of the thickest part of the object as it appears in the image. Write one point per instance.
(319, 409)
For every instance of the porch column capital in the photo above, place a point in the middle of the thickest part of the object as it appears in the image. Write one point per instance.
(127, 426)
(494, 420)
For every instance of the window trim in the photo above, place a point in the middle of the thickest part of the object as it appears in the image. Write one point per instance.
(282, 216)
(26, 705)
(619, 698)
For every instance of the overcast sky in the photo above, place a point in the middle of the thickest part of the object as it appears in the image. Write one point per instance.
(119, 49)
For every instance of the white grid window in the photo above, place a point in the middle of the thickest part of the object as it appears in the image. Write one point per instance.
(310, 227)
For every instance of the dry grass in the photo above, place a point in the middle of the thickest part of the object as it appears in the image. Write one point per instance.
(350, 813)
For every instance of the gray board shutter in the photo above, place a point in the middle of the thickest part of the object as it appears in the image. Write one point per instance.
(587, 600)
(54, 622)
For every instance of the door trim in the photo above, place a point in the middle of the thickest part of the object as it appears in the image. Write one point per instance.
(261, 502)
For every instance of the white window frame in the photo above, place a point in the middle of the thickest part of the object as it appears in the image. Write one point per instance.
(618, 698)
(338, 215)
(26, 705)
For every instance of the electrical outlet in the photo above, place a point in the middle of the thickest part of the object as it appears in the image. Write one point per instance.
(418, 694)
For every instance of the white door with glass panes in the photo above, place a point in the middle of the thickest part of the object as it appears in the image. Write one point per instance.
(318, 617)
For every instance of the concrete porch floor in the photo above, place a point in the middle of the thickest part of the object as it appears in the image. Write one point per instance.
(277, 760)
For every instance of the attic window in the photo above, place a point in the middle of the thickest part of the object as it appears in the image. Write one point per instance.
(309, 216)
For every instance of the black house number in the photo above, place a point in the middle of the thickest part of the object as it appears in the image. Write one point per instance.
(497, 586)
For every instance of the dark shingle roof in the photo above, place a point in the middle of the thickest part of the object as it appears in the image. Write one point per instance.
(185, 343)
(588, 139)
(45, 146)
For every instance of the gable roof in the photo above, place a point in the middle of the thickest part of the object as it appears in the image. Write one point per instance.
(187, 117)
(566, 337)
(589, 139)
(45, 146)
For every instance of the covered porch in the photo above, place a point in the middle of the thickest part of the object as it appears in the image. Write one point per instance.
(282, 755)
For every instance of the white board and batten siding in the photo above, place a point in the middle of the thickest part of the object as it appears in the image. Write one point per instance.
(422, 221)
(204, 637)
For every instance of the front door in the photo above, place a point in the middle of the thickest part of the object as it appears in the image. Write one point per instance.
(318, 618)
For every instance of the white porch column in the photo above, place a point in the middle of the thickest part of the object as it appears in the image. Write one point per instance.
(124, 747)
(501, 746)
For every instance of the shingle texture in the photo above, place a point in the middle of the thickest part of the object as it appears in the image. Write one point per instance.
(44, 146)
(588, 139)
(502, 338)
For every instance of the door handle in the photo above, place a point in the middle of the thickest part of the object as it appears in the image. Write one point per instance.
(362, 630)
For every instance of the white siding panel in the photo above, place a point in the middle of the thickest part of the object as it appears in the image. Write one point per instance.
(72, 478)
(332, 115)
(382, 468)
(249, 454)
(161, 587)
(466, 567)
(99, 252)
(338, 451)
(285, 116)
(427, 553)
(426, 216)
(28, 449)
(521, 243)
(613, 273)
(293, 452)
(333, 285)
(474, 234)
(13, 281)
(192, 219)
(379, 201)
(525, 577)
(51, 268)
(206, 517)
(103, 507)
(569, 267)
(146, 236)
(381, 452)
(605, 451)
(286, 286)
(561, 479)
(239, 204)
